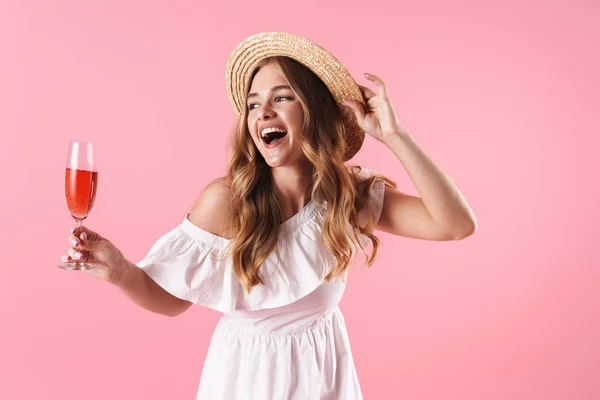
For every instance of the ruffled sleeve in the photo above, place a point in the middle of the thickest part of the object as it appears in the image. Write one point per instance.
(186, 262)
(190, 263)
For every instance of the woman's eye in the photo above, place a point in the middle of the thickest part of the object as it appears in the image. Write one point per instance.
(277, 99)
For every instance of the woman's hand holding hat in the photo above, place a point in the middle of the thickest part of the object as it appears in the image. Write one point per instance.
(377, 117)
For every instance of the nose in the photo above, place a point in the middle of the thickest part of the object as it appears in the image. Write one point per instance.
(266, 112)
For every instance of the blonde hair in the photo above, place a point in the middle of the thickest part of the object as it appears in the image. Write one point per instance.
(257, 218)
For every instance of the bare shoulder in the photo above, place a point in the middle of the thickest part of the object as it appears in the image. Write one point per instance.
(212, 211)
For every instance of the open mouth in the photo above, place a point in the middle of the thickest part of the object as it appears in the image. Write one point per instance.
(271, 135)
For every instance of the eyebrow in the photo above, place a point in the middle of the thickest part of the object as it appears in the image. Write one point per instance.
(273, 89)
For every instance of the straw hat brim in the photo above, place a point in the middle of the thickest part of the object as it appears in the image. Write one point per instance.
(246, 56)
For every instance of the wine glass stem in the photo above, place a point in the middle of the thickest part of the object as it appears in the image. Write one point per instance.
(78, 224)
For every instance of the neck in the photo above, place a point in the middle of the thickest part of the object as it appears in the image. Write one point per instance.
(293, 185)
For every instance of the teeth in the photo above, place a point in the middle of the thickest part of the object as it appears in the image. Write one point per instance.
(270, 130)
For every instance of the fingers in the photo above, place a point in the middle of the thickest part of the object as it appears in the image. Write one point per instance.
(76, 255)
(86, 239)
(366, 92)
(81, 245)
(76, 241)
(90, 234)
(375, 79)
(378, 82)
(358, 109)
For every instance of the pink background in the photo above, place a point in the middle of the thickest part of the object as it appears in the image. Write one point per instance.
(504, 96)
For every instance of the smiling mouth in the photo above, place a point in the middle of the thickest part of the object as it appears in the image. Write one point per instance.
(270, 136)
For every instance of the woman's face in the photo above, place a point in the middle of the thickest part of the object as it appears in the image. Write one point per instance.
(275, 117)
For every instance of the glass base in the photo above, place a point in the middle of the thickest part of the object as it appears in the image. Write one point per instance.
(76, 266)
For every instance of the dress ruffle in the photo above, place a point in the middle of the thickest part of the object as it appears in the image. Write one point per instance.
(188, 262)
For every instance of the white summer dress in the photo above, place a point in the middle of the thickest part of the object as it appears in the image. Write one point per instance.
(286, 339)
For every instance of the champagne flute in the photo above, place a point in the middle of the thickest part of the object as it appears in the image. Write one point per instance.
(81, 183)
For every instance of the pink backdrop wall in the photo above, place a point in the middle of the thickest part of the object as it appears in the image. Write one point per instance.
(503, 95)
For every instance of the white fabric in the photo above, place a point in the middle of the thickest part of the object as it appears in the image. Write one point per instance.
(286, 339)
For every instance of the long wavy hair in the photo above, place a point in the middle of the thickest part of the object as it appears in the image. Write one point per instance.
(255, 224)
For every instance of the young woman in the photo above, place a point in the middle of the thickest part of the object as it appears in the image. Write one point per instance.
(270, 244)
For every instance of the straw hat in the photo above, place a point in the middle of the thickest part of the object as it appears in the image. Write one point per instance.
(244, 59)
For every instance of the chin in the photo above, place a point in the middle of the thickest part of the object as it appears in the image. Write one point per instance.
(285, 158)
(275, 163)
(279, 161)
